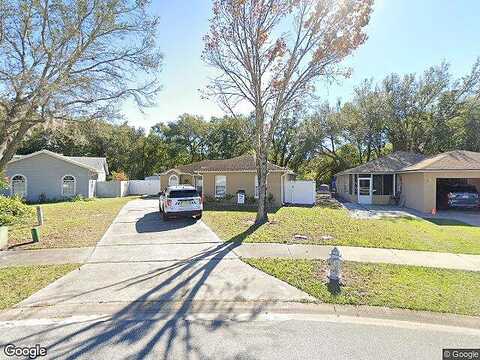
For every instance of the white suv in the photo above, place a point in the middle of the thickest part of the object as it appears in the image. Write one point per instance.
(181, 200)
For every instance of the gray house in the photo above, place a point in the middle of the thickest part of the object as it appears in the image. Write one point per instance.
(48, 175)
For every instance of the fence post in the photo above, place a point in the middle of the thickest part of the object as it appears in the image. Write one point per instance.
(39, 215)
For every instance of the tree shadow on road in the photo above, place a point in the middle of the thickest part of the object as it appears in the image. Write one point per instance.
(169, 303)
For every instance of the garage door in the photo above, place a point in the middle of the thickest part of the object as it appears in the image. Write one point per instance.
(300, 192)
(446, 185)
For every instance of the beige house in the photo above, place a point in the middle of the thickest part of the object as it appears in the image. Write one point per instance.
(220, 178)
(409, 179)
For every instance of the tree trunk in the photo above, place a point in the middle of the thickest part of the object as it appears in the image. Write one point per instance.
(261, 160)
(8, 146)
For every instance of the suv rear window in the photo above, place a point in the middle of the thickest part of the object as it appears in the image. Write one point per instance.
(175, 194)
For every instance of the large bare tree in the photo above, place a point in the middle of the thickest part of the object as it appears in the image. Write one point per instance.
(72, 58)
(269, 54)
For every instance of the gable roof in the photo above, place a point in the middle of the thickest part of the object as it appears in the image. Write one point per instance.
(451, 160)
(393, 162)
(243, 163)
(94, 164)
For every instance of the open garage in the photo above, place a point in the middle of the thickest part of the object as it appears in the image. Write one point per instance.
(457, 193)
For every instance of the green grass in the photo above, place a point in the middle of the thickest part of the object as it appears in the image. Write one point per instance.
(19, 282)
(69, 224)
(395, 286)
(317, 222)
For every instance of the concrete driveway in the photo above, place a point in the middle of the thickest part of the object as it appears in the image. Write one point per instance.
(142, 260)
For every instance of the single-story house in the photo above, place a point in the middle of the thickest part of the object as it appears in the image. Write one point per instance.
(48, 175)
(219, 178)
(414, 180)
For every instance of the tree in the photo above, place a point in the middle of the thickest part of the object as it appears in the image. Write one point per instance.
(72, 58)
(228, 137)
(273, 70)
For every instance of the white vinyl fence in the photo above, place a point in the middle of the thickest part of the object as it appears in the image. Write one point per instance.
(300, 192)
(143, 187)
(111, 189)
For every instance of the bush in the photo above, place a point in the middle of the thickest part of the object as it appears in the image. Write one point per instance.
(3, 181)
(119, 176)
(14, 211)
(80, 197)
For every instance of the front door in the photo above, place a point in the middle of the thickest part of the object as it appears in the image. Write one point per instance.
(364, 190)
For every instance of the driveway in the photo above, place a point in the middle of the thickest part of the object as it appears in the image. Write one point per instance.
(142, 260)
(362, 211)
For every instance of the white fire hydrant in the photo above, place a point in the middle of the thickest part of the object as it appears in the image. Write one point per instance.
(335, 263)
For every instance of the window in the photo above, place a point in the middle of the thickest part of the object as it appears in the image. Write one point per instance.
(173, 180)
(220, 185)
(177, 194)
(383, 184)
(68, 185)
(350, 184)
(19, 186)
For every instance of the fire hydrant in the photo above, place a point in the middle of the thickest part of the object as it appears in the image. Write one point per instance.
(335, 264)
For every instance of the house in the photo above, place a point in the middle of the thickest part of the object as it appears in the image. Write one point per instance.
(220, 178)
(417, 181)
(48, 175)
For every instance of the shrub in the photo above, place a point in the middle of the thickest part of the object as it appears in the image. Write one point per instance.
(119, 176)
(3, 181)
(14, 211)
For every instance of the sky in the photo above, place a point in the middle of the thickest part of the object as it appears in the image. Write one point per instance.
(404, 36)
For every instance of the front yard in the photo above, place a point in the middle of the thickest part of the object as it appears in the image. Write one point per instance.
(396, 286)
(69, 224)
(333, 226)
(19, 282)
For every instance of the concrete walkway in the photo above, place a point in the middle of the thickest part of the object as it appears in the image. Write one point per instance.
(360, 254)
(44, 256)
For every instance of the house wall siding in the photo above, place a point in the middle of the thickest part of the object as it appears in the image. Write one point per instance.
(243, 181)
(44, 176)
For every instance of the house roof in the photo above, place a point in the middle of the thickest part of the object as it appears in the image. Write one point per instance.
(243, 163)
(393, 162)
(452, 160)
(95, 164)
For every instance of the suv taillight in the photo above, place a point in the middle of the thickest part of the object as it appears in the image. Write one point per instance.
(169, 202)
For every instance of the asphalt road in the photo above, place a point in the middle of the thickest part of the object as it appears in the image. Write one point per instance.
(267, 337)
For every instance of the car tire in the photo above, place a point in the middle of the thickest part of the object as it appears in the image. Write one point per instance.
(198, 217)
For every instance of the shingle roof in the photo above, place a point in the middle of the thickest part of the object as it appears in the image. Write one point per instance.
(452, 160)
(390, 163)
(98, 163)
(94, 163)
(240, 163)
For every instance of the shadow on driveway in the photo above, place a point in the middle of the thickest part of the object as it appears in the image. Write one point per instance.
(152, 223)
(145, 336)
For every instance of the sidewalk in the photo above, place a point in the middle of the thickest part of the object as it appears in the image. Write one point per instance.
(44, 256)
(360, 254)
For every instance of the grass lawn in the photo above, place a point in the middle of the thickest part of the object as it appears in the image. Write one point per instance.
(337, 227)
(69, 224)
(395, 286)
(19, 282)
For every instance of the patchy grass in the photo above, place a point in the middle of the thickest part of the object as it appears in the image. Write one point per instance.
(69, 224)
(19, 282)
(330, 226)
(395, 286)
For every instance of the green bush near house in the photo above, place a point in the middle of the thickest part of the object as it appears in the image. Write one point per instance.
(13, 211)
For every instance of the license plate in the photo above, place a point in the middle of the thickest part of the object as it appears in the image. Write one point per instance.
(185, 202)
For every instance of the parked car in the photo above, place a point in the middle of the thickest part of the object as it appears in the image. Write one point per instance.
(463, 196)
(180, 201)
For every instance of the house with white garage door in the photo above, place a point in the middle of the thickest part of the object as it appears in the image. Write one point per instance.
(412, 180)
(224, 178)
(47, 175)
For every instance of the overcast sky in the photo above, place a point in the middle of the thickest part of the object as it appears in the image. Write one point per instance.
(404, 36)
